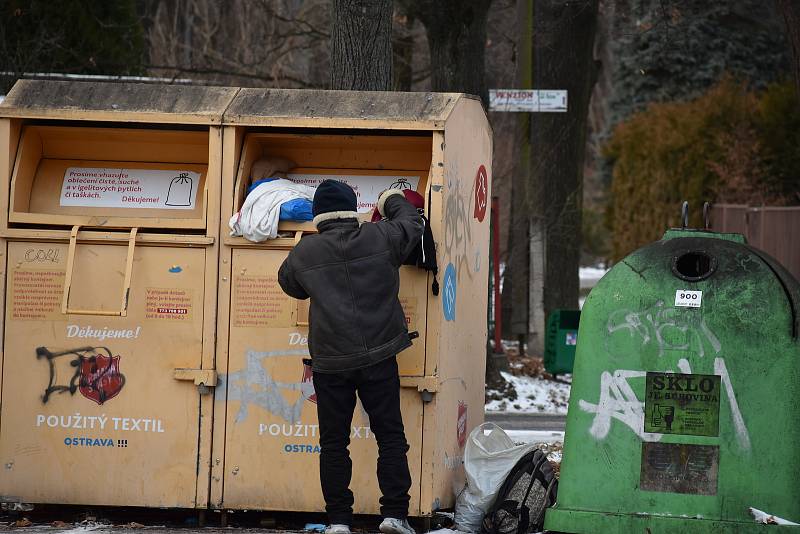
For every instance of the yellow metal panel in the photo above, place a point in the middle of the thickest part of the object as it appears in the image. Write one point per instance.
(213, 201)
(463, 239)
(271, 424)
(114, 409)
(97, 236)
(232, 139)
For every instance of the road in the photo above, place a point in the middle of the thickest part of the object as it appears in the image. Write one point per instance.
(530, 427)
(528, 421)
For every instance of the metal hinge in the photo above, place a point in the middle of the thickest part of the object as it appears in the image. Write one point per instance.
(426, 385)
(204, 379)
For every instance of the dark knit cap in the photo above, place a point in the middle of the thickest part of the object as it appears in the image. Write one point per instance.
(333, 195)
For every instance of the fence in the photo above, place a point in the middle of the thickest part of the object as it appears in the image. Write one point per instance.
(775, 230)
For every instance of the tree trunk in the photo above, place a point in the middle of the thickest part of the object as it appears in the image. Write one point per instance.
(518, 236)
(563, 42)
(403, 46)
(790, 9)
(456, 31)
(361, 45)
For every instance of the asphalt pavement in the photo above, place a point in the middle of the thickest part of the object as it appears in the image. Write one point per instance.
(528, 421)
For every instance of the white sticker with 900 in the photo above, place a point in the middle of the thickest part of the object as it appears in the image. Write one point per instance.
(688, 299)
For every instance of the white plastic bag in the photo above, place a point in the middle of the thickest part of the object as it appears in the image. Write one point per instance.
(489, 456)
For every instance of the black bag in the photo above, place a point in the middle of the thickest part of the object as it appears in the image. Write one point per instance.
(528, 490)
(424, 254)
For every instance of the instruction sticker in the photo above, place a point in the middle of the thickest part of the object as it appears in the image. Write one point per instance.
(367, 188)
(129, 188)
(688, 299)
(170, 304)
(409, 305)
(36, 294)
(679, 468)
(682, 404)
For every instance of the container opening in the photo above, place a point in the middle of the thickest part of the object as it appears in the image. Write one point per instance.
(694, 266)
(369, 163)
(110, 177)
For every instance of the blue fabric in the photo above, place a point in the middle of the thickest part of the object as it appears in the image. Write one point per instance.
(298, 209)
(259, 182)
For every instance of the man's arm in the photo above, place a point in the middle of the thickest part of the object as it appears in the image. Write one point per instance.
(288, 281)
(404, 223)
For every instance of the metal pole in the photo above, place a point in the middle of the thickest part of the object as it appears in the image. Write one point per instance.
(498, 309)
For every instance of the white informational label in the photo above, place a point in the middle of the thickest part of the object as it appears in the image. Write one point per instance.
(688, 299)
(129, 188)
(367, 188)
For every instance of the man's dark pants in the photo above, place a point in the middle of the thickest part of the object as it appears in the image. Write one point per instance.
(378, 387)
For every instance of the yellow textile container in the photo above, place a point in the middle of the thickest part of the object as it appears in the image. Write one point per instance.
(110, 214)
(438, 144)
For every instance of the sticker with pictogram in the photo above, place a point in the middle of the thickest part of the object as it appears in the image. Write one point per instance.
(481, 193)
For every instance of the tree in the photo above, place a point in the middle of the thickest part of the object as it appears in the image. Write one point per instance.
(72, 36)
(790, 10)
(517, 286)
(275, 43)
(668, 50)
(563, 43)
(361, 45)
(456, 31)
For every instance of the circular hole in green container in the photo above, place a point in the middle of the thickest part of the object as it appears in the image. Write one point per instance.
(694, 265)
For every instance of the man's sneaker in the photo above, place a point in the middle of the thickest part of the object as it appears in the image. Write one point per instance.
(390, 525)
(337, 529)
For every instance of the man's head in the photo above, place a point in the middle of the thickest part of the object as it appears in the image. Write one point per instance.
(334, 200)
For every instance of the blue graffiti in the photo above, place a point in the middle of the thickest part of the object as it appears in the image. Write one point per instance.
(449, 293)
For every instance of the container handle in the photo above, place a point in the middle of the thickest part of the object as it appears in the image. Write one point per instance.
(297, 321)
(685, 214)
(126, 285)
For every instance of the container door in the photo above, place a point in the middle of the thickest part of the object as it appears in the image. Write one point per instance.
(91, 412)
(271, 427)
(414, 299)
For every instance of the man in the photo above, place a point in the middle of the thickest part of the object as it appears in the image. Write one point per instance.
(357, 327)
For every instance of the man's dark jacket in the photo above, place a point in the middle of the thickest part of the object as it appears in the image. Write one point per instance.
(351, 273)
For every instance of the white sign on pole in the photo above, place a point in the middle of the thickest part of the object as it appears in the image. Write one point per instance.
(367, 188)
(129, 188)
(527, 100)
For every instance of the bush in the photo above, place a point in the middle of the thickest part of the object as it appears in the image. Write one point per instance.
(730, 144)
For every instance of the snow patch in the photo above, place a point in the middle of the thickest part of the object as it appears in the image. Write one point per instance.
(589, 276)
(534, 394)
(767, 519)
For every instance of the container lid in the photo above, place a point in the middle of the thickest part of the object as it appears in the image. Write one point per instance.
(342, 109)
(110, 101)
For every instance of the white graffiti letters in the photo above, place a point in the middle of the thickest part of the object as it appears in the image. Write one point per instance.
(618, 401)
(655, 324)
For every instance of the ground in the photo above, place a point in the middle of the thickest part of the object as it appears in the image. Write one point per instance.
(528, 388)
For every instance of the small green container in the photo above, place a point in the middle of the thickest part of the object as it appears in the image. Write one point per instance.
(560, 341)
